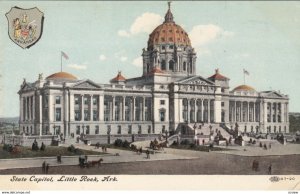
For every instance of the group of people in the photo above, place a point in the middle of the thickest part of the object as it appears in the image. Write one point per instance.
(265, 146)
(255, 166)
(97, 146)
(45, 167)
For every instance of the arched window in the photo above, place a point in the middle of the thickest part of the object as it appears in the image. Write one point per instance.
(163, 65)
(184, 66)
(171, 65)
(148, 68)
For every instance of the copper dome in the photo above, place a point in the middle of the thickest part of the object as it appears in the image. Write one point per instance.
(62, 75)
(169, 32)
(244, 88)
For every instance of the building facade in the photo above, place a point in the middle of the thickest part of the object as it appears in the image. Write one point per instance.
(168, 95)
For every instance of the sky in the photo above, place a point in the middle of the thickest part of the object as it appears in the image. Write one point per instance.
(102, 38)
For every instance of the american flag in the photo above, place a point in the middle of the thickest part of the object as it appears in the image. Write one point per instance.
(246, 72)
(64, 55)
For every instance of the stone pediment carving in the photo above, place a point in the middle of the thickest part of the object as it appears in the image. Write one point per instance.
(87, 85)
(272, 94)
(26, 87)
(197, 80)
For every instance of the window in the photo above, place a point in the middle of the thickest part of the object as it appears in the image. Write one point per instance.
(86, 115)
(163, 130)
(184, 66)
(129, 129)
(149, 129)
(162, 102)
(162, 115)
(57, 99)
(58, 114)
(171, 47)
(222, 104)
(163, 65)
(95, 115)
(119, 129)
(87, 131)
(86, 101)
(163, 47)
(77, 115)
(140, 129)
(171, 65)
(76, 100)
(95, 100)
(222, 90)
(96, 129)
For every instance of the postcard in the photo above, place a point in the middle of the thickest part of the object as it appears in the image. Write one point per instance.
(181, 95)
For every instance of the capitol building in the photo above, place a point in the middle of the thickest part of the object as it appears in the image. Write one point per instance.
(168, 97)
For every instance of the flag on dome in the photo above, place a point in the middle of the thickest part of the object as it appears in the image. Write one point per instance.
(64, 55)
(246, 72)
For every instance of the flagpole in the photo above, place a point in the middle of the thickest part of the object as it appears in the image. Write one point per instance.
(60, 62)
(244, 76)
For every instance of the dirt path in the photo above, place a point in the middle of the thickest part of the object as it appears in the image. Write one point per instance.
(211, 164)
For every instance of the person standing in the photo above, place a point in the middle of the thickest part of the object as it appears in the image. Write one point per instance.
(47, 168)
(270, 169)
(44, 167)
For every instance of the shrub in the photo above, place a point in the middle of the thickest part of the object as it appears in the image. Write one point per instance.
(71, 148)
(16, 150)
(185, 142)
(8, 147)
(192, 145)
(118, 143)
(126, 144)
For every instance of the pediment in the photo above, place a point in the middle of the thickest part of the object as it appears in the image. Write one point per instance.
(26, 86)
(197, 80)
(272, 94)
(87, 84)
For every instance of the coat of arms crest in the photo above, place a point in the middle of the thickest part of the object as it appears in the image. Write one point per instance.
(25, 26)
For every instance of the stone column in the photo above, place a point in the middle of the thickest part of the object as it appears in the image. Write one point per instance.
(91, 107)
(188, 110)
(33, 108)
(133, 108)
(143, 108)
(113, 108)
(101, 107)
(202, 110)
(248, 111)
(41, 113)
(208, 110)
(195, 112)
(72, 105)
(123, 108)
(282, 112)
(50, 109)
(82, 107)
(287, 112)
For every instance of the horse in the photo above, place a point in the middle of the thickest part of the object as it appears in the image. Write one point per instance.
(94, 162)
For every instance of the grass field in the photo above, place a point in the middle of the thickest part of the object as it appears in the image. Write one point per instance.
(26, 152)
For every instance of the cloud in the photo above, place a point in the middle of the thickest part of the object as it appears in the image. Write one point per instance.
(123, 33)
(138, 62)
(102, 57)
(123, 59)
(142, 24)
(204, 34)
(78, 67)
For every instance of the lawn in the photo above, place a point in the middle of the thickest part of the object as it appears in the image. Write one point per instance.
(198, 148)
(26, 152)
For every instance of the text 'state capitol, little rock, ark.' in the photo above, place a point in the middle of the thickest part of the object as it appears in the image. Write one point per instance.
(169, 98)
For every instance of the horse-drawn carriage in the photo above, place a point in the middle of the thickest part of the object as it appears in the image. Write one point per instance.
(158, 146)
(83, 162)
